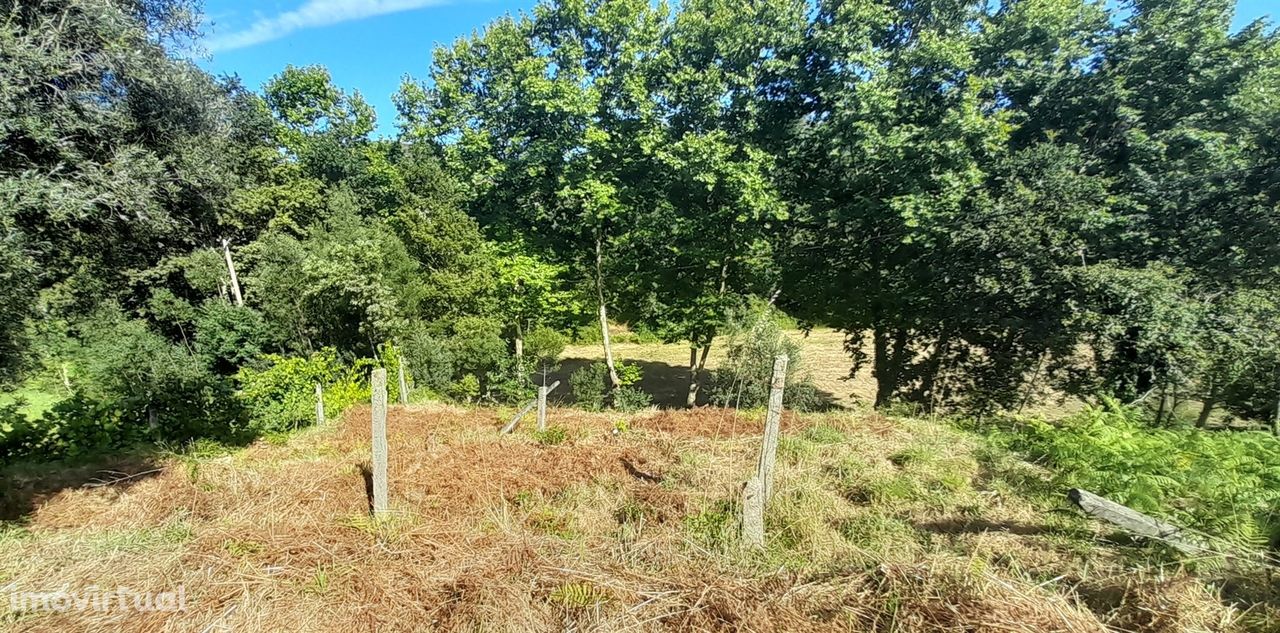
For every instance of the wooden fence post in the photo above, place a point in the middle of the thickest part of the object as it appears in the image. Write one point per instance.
(404, 384)
(378, 383)
(753, 513)
(1137, 522)
(319, 404)
(540, 402)
(542, 408)
(772, 425)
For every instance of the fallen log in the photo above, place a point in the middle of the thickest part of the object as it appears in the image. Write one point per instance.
(1138, 523)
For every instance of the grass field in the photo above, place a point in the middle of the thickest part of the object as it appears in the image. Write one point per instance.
(823, 358)
(666, 366)
(611, 523)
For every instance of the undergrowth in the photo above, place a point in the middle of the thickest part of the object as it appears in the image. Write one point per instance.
(1225, 484)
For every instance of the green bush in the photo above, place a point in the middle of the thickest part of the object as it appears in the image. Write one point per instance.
(19, 435)
(229, 336)
(589, 384)
(429, 360)
(1224, 484)
(133, 386)
(631, 399)
(466, 388)
(543, 346)
(552, 436)
(754, 340)
(281, 394)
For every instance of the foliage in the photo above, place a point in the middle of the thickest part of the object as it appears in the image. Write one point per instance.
(429, 359)
(1223, 484)
(744, 378)
(589, 386)
(281, 394)
(552, 436)
(630, 398)
(544, 345)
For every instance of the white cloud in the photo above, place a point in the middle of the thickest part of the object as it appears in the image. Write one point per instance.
(311, 14)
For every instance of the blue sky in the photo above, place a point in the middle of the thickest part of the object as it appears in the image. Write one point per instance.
(369, 45)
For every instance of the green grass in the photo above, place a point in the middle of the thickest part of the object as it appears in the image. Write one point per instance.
(35, 400)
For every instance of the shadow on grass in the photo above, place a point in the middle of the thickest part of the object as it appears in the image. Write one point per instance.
(666, 384)
(27, 485)
(977, 526)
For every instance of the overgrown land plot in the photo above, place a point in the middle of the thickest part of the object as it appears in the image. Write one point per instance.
(1003, 249)
(612, 523)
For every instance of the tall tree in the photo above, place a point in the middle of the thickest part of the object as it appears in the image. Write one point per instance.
(541, 117)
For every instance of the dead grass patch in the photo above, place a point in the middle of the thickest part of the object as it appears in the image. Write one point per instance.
(634, 531)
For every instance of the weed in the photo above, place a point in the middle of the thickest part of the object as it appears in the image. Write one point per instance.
(552, 436)
(579, 595)
(242, 548)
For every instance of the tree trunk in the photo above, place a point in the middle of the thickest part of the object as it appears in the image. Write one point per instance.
(614, 381)
(696, 366)
(929, 379)
(884, 368)
(1206, 409)
(231, 270)
(519, 344)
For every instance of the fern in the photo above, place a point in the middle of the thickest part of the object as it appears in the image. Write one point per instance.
(1224, 484)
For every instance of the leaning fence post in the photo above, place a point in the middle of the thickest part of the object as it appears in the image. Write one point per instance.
(319, 404)
(772, 424)
(404, 384)
(378, 384)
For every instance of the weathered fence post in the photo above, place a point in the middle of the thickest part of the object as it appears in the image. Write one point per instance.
(378, 383)
(753, 513)
(540, 402)
(755, 494)
(319, 405)
(404, 384)
(542, 408)
(772, 425)
(1137, 522)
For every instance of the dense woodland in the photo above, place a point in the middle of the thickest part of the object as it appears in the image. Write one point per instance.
(998, 202)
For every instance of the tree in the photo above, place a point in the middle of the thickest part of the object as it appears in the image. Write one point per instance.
(702, 247)
(540, 118)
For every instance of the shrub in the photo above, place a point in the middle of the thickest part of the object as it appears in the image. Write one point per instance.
(466, 388)
(19, 435)
(281, 395)
(429, 360)
(477, 347)
(631, 399)
(754, 340)
(544, 346)
(228, 336)
(589, 384)
(157, 389)
(552, 436)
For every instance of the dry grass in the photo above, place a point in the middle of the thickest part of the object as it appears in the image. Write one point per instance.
(878, 524)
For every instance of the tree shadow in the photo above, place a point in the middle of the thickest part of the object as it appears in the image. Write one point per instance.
(666, 384)
(28, 485)
(977, 526)
(366, 473)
